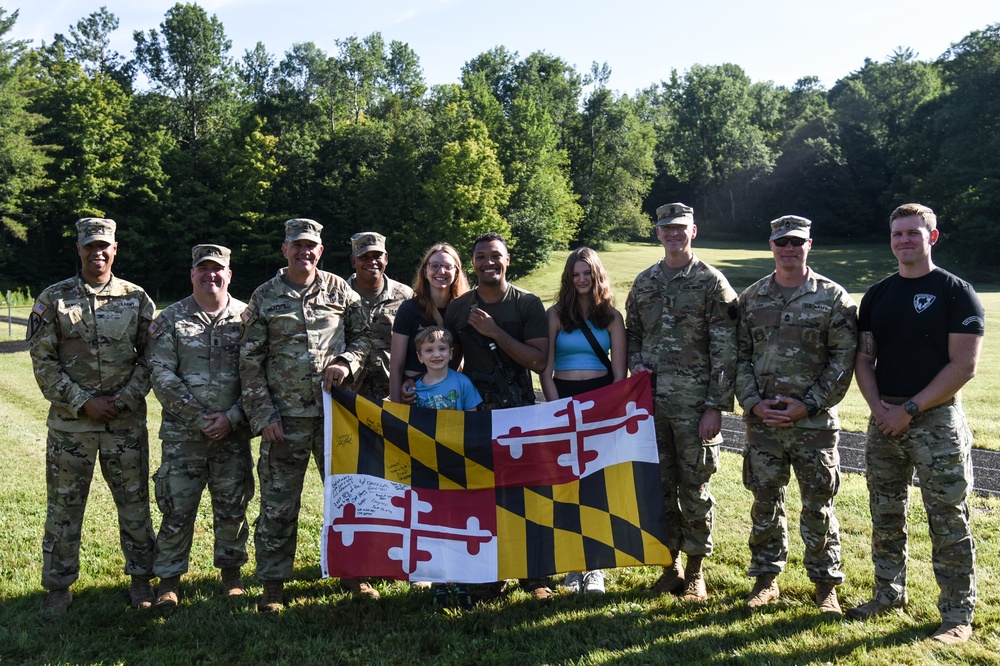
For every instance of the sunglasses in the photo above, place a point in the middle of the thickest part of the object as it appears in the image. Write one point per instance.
(796, 242)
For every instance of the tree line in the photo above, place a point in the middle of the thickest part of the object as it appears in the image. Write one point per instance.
(182, 142)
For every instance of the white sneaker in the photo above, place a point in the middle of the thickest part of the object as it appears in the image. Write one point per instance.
(593, 581)
(574, 582)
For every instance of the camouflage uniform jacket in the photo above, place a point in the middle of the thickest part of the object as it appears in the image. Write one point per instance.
(373, 380)
(87, 342)
(290, 336)
(803, 348)
(681, 324)
(195, 361)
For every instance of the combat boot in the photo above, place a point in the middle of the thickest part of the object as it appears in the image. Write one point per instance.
(765, 590)
(232, 584)
(273, 599)
(672, 579)
(874, 607)
(952, 633)
(826, 598)
(169, 592)
(695, 590)
(57, 601)
(140, 592)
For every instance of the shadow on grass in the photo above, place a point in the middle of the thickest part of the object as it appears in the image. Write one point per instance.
(323, 624)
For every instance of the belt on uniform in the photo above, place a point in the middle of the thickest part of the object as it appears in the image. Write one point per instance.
(896, 400)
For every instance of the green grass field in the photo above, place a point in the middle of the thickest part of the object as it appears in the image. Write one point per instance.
(855, 267)
(323, 625)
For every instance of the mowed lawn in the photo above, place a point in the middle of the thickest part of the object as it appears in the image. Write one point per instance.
(321, 624)
(855, 267)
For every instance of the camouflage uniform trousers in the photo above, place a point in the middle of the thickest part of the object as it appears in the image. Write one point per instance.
(687, 463)
(187, 467)
(69, 468)
(770, 455)
(938, 445)
(281, 470)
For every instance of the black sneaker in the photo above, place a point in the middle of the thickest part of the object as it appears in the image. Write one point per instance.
(441, 595)
(464, 597)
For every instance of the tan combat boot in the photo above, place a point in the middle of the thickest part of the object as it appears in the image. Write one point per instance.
(952, 633)
(826, 598)
(57, 601)
(273, 599)
(672, 579)
(232, 584)
(765, 590)
(695, 590)
(169, 591)
(140, 592)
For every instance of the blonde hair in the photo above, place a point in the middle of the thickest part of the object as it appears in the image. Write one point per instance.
(430, 334)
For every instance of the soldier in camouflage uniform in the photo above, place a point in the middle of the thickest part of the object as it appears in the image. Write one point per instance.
(88, 339)
(681, 327)
(304, 332)
(796, 339)
(381, 297)
(195, 362)
(921, 333)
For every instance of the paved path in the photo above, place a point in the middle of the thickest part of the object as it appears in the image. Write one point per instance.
(986, 464)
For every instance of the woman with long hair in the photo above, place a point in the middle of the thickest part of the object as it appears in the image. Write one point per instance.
(582, 322)
(439, 279)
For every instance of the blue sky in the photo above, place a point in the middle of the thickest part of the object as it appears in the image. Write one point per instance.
(775, 40)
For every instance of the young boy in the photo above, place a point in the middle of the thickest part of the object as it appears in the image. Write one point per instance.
(443, 388)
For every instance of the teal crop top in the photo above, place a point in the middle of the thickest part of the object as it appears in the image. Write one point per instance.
(573, 352)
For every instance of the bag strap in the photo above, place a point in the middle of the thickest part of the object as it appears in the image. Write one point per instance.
(600, 353)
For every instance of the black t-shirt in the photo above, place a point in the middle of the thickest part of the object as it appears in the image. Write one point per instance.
(911, 319)
(519, 313)
(409, 320)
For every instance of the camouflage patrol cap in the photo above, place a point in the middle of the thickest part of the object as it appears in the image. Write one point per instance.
(93, 229)
(675, 213)
(216, 253)
(302, 228)
(790, 225)
(367, 241)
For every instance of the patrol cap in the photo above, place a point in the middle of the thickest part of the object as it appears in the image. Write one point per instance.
(216, 253)
(674, 213)
(302, 228)
(790, 225)
(93, 229)
(367, 241)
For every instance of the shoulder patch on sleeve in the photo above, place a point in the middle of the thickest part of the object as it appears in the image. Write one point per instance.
(154, 328)
(38, 308)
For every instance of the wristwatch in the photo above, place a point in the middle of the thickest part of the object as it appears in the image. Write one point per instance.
(120, 405)
(812, 410)
(911, 408)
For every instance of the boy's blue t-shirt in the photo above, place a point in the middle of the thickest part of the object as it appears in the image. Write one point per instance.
(455, 391)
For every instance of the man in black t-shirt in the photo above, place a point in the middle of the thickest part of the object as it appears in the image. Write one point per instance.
(921, 331)
(503, 335)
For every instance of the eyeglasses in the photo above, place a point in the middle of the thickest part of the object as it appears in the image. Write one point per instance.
(796, 242)
(435, 267)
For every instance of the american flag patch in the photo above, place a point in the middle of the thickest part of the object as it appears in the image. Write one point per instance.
(153, 328)
(38, 308)
(247, 313)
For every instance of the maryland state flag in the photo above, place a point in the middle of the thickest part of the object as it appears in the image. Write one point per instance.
(474, 497)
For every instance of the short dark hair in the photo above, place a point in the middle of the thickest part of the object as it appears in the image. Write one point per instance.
(489, 237)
